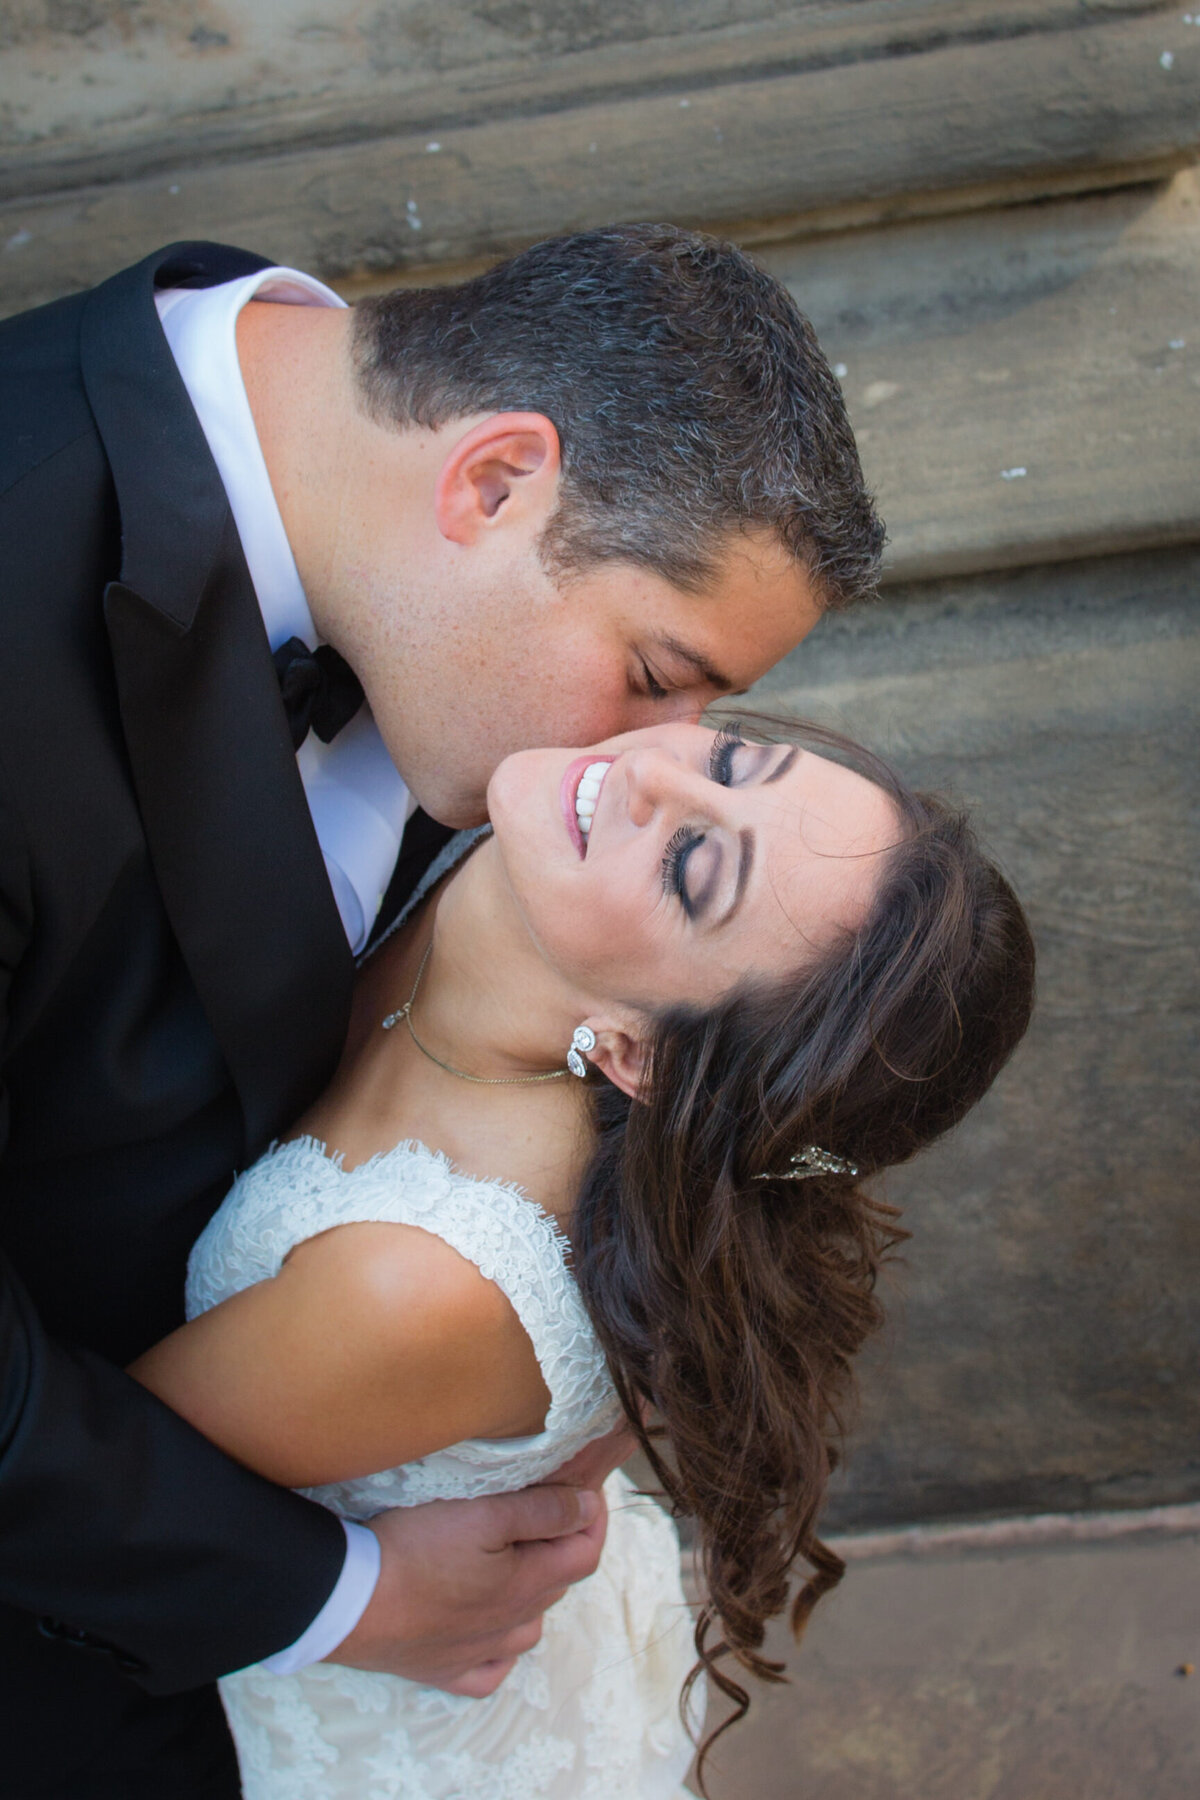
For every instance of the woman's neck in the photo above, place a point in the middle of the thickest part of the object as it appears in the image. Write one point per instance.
(483, 1005)
(486, 1002)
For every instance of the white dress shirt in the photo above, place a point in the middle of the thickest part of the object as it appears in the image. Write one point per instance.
(358, 801)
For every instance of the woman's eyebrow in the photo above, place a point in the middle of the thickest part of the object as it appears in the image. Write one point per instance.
(745, 864)
(781, 767)
(746, 843)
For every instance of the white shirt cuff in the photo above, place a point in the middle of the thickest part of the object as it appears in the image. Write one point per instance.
(343, 1609)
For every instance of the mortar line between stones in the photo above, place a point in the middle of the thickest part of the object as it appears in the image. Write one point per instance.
(1036, 1531)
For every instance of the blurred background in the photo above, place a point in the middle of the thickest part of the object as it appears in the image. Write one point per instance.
(991, 211)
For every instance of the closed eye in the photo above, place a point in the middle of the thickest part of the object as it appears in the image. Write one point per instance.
(720, 757)
(654, 688)
(674, 865)
(686, 839)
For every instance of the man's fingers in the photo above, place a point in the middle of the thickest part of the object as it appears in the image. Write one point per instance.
(486, 1677)
(551, 1567)
(517, 1642)
(591, 1466)
(460, 1577)
(543, 1512)
(478, 1683)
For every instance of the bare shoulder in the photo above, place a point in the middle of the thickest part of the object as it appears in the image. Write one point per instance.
(376, 1344)
(408, 1298)
(420, 1321)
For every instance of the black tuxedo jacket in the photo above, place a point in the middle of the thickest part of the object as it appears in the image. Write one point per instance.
(174, 990)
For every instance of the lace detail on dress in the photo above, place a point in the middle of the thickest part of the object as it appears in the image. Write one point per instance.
(297, 1191)
(591, 1713)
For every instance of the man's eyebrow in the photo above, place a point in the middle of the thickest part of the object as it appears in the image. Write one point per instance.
(745, 864)
(685, 653)
(782, 767)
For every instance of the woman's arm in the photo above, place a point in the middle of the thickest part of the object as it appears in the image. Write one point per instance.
(374, 1345)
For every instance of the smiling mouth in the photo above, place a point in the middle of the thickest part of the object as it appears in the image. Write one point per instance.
(587, 793)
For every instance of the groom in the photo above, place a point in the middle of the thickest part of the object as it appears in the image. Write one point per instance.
(596, 487)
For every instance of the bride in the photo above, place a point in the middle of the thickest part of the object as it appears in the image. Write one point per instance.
(776, 971)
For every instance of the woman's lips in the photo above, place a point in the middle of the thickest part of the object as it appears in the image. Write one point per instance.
(568, 789)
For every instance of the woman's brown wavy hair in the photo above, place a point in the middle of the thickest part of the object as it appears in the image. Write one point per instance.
(731, 1300)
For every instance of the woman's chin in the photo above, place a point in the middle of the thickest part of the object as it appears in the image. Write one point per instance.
(523, 785)
(517, 807)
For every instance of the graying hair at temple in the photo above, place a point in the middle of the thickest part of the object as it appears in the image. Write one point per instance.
(690, 395)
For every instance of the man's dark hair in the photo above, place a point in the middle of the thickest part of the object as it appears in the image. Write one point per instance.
(689, 392)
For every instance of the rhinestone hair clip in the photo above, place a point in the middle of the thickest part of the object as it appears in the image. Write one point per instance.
(810, 1161)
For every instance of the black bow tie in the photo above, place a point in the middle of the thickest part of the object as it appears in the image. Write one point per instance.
(319, 689)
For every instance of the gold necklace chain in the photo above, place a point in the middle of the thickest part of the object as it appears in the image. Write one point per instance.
(405, 1012)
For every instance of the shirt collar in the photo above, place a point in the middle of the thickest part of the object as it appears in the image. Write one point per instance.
(200, 325)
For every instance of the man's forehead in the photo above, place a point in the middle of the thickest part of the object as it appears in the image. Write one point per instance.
(763, 588)
(760, 604)
(730, 648)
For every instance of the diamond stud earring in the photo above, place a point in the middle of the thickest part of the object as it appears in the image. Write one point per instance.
(583, 1041)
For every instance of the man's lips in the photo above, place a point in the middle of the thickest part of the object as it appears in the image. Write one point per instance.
(568, 789)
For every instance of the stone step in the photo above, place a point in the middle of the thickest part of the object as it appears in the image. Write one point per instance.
(318, 152)
(85, 105)
(1024, 383)
(1046, 1673)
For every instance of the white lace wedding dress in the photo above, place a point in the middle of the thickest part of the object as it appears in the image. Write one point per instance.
(593, 1712)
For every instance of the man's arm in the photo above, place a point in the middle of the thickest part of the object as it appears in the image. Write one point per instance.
(110, 1520)
(126, 1531)
(111, 1506)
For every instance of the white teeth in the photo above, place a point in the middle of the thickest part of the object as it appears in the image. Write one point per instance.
(587, 794)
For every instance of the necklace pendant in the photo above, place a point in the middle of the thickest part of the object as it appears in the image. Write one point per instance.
(395, 1018)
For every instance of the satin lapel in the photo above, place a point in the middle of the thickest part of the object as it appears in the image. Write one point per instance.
(226, 819)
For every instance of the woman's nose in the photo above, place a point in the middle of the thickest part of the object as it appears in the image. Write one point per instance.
(656, 781)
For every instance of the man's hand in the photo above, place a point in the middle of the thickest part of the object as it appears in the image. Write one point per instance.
(593, 1465)
(464, 1583)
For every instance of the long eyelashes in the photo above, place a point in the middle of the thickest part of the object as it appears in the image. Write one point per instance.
(654, 688)
(674, 863)
(685, 840)
(720, 758)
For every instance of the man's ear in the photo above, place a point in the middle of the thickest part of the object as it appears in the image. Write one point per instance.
(620, 1054)
(507, 466)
